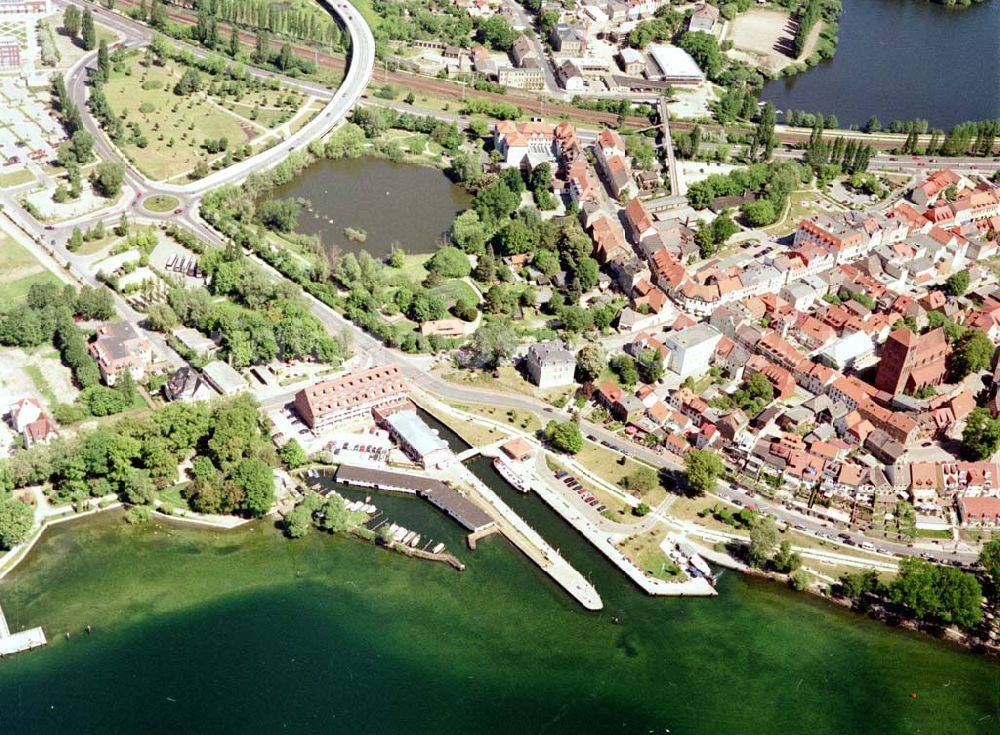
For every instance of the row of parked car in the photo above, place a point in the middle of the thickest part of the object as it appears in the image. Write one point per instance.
(573, 484)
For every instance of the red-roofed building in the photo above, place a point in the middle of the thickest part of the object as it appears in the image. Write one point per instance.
(910, 362)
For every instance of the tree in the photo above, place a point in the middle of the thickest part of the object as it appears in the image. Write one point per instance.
(109, 178)
(759, 213)
(495, 343)
(234, 42)
(624, 367)
(103, 61)
(943, 593)
(981, 436)
(590, 362)
(650, 365)
(496, 33)
(162, 318)
(286, 59)
(280, 215)
(254, 477)
(873, 125)
(333, 516)
(16, 520)
(641, 481)
(467, 233)
(88, 34)
(785, 560)
(763, 537)
(71, 21)
(466, 168)
(989, 557)
(299, 520)
(702, 468)
(564, 436)
(957, 283)
(292, 454)
(705, 51)
(974, 353)
(189, 82)
(449, 262)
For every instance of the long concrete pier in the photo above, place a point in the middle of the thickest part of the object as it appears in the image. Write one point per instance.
(528, 540)
(17, 642)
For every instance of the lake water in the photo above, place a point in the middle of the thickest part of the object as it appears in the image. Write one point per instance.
(392, 202)
(904, 59)
(246, 632)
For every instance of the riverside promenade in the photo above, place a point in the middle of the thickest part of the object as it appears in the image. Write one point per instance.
(528, 540)
(605, 541)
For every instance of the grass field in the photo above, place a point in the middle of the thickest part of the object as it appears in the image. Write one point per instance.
(16, 178)
(608, 466)
(160, 203)
(19, 271)
(455, 289)
(175, 126)
(645, 552)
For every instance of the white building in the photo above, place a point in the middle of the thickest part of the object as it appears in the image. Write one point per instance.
(675, 64)
(852, 350)
(692, 349)
(550, 364)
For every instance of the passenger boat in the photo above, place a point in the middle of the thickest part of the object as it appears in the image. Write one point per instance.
(505, 472)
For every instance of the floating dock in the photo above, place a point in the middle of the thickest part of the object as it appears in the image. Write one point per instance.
(18, 642)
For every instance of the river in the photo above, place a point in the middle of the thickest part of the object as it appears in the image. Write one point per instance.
(392, 202)
(202, 631)
(904, 59)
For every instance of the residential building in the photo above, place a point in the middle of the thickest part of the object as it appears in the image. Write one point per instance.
(692, 349)
(632, 61)
(703, 18)
(568, 40)
(187, 385)
(120, 347)
(24, 7)
(351, 397)
(550, 364)
(10, 52)
(522, 51)
(29, 420)
(526, 77)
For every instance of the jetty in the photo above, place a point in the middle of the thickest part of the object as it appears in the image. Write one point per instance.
(529, 541)
(17, 642)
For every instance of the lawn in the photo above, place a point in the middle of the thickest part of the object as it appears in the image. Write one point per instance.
(454, 290)
(19, 271)
(606, 464)
(41, 384)
(507, 378)
(175, 126)
(523, 420)
(474, 434)
(16, 178)
(645, 552)
(160, 203)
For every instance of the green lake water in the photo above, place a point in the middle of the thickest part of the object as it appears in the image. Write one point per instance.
(245, 632)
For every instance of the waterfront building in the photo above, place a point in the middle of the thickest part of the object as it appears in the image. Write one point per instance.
(350, 397)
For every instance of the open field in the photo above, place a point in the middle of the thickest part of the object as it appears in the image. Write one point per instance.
(19, 271)
(765, 36)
